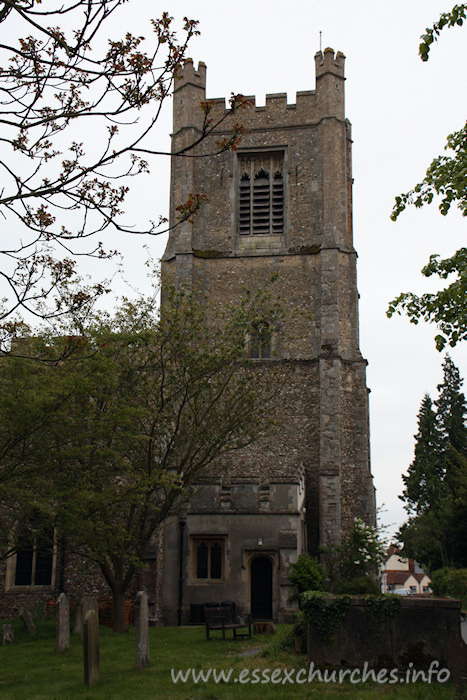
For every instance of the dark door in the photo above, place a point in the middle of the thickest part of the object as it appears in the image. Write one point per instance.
(261, 588)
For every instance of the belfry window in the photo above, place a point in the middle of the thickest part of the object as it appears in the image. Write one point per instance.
(261, 194)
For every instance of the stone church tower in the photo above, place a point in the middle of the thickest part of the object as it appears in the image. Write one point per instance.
(282, 205)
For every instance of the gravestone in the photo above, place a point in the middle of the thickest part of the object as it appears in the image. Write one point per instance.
(85, 604)
(8, 634)
(141, 620)
(63, 623)
(91, 648)
(29, 625)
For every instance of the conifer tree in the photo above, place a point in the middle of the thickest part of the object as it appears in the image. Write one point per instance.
(436, 483)
(452, 409)
(423, 482)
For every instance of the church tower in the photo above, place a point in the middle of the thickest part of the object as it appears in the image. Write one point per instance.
(279, 206)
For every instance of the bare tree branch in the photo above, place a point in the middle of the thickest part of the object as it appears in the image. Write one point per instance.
(76, 126)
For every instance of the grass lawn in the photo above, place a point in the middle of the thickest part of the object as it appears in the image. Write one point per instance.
(30, 669)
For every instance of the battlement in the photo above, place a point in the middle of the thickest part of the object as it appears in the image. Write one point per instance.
(310, 105)
(278, 101)
(327, 62)
(188, 75)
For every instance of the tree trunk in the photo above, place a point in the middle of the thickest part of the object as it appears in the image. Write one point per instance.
(118, 607)
(118, 585)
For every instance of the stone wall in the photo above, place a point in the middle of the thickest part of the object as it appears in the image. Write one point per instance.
(421, 631)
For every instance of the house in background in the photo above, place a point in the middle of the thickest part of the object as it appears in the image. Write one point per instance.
(403, 575)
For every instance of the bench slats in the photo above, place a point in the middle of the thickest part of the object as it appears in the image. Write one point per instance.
(222, 618)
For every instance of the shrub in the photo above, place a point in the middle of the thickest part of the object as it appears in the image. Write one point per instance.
(359, 585)
(358, 556)
(307, 575)
(362, 552)
(300, 624)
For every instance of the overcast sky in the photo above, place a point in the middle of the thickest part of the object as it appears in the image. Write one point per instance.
(401, 112)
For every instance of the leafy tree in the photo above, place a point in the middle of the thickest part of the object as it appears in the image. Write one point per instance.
(446, 178)
(450, 19)
(450, 582)
(446, 308)
(424, 538)
(436, 483)
(153, 402)
(26, 406)
(78, 112)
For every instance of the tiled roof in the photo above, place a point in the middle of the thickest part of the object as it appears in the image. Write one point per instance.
(398, 577)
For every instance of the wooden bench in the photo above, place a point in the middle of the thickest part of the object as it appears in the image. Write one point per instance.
(223, 618)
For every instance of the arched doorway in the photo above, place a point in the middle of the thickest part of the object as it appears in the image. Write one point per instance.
(261, 588)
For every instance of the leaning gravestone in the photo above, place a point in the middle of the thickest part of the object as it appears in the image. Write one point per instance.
(29, 625)
(8, 634)
(63, 623)
(91, 648)
(85, 604)
(141, 618)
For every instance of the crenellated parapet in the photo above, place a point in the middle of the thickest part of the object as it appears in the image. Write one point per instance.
(189, 93)
(310, 106)
(189, 75)
(327, 62)
(329, 69)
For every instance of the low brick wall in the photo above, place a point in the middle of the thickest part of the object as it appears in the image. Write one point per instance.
(420, 631)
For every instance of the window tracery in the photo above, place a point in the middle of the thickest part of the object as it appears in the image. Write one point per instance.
(261, 194)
